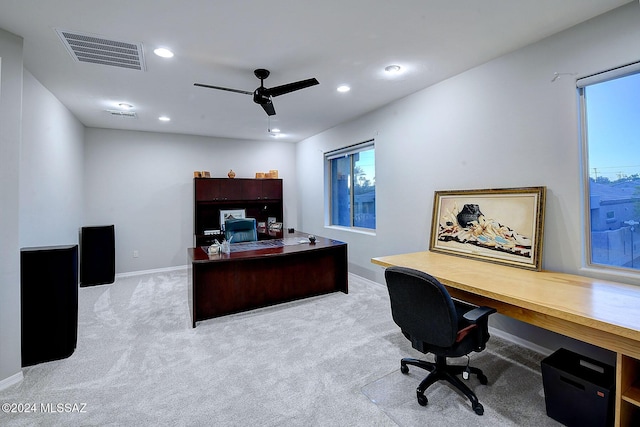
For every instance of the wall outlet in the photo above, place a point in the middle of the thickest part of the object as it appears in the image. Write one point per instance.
(136, 254)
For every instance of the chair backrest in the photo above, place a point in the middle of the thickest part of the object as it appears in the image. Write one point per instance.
(421, 307)
(241, 229)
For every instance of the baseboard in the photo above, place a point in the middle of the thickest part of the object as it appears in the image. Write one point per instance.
(13, 379)
(519, 341)
(365, 279)
(153, 271)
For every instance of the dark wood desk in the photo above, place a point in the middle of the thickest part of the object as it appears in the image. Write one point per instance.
(600, 312)
(264, 273)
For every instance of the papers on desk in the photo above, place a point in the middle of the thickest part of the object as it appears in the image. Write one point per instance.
(288, 241)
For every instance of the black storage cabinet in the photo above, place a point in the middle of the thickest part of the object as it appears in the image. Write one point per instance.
(578, 391)
(97, 255)
(49, 303)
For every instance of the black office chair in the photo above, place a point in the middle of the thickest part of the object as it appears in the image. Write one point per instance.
(241, 230)
(435, 323)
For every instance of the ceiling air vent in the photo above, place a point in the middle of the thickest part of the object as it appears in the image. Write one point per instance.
(125, 114)
(99, 50)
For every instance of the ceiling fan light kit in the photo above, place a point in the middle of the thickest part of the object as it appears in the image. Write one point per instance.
(262, 95)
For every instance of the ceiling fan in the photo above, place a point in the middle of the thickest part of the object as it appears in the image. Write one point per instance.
(263, 95)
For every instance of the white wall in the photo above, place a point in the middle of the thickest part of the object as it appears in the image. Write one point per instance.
(41, 178)
(142, 182)
(502, 124)
(10, 121)
(51, 169)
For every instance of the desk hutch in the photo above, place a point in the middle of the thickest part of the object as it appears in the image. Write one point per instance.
(260, 198)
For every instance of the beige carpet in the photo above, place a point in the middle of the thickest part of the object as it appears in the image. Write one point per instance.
(326, 361)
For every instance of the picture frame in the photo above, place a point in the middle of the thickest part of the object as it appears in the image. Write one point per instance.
(230, 213)
(503, 226)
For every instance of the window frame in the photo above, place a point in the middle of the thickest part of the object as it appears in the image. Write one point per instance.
(581, 86)
(342, 152)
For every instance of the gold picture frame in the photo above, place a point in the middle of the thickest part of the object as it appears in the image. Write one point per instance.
(504, 226)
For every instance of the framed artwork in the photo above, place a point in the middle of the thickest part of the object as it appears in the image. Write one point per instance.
(504, 226)
(226, 214)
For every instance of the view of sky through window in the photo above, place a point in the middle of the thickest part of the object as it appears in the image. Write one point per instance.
(613, 118)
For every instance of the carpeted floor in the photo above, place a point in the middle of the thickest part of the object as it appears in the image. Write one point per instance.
(326, 361)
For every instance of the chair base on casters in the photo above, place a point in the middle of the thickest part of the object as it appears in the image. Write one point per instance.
(441, 371)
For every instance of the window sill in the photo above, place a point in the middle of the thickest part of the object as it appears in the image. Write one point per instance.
(351, 230)
(611, 274)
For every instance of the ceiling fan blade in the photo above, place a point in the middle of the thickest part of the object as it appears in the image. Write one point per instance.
(290, 87)
(224, 88)
(269, 109)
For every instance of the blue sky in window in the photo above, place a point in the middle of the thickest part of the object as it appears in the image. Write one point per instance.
(613, 119)
(366, 162)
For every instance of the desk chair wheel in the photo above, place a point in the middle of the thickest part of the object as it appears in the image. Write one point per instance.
(404, 368)
(422, 399)
(478, 408)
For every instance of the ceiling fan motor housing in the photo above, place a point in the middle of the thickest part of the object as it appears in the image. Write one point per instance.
(259, 97)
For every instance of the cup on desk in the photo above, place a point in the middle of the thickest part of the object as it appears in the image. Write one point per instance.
(225, 248)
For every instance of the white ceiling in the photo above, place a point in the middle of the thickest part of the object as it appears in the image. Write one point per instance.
(221, 42)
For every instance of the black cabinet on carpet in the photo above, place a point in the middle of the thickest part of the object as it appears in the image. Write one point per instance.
(49, 303)
(97, 255)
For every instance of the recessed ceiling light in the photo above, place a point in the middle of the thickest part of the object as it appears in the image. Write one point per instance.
(275, 130)
(125, 106)
(393, 69)
(164, 118)
(163, 52)
(343, 88)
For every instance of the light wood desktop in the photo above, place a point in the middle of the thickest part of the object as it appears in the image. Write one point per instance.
(602, 313)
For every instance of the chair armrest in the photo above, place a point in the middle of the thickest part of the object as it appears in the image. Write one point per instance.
(478, 314)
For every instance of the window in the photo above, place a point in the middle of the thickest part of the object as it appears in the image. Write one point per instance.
(351, 186)
(610, 112)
